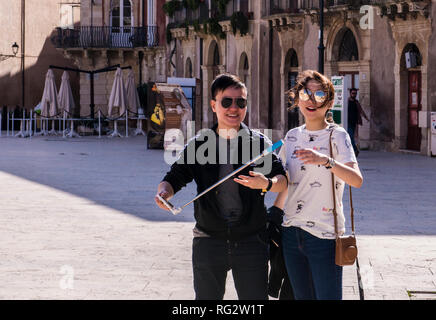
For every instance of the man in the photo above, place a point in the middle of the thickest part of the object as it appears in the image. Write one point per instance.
(230, 230)
(355, 112)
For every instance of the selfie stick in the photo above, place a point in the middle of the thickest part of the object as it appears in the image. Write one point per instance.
(263, 154)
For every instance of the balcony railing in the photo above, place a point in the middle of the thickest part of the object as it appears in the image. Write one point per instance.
(294, 6)
(203, 13)
(106, 37)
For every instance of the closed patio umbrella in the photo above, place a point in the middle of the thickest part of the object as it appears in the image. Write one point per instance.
(133, 100)
(49, 100)
(117, 100)
(66, 102)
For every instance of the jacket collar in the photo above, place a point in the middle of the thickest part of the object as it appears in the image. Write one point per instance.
(242, 126)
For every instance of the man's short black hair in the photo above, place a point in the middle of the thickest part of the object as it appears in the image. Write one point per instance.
(224, 81)
(354, 89)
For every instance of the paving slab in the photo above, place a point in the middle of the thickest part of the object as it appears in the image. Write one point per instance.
(78, 221)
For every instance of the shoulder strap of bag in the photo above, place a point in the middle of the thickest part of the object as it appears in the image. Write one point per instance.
(335, 214)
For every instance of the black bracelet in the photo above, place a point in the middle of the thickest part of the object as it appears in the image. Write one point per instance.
(270, 183)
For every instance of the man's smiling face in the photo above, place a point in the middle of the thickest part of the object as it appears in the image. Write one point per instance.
(231, 117)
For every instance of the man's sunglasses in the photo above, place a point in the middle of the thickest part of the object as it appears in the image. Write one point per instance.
(227, 102)
(317, 96)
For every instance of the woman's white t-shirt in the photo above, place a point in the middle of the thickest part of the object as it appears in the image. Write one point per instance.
(309, 204)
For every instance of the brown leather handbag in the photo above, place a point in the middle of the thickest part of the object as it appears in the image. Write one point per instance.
(346, 247)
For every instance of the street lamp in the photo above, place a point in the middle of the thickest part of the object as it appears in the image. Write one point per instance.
(321, 47)
(14, 51)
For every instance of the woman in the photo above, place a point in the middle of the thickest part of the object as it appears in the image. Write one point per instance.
(308, 233)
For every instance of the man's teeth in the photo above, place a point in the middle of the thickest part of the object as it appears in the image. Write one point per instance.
(232, 115)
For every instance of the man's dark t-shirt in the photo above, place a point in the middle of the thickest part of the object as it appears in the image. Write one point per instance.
(353, 113)
(228, 192)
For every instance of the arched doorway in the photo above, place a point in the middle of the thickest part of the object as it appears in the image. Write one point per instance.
(291, 74)
(213, 61)
(345, 53)
(244, 75)
(410, 73)
(121, 19)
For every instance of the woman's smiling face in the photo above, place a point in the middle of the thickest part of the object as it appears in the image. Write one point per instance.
(310, 109)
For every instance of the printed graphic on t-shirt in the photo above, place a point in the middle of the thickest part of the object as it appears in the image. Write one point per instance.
(300, 204)
(309, 204)
(312, 137)
(310, 224)
(315, 184)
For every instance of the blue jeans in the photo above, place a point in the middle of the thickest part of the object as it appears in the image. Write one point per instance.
(351, 131)
(248, 259)
(310, 262)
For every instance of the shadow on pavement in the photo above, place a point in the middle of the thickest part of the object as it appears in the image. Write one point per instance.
(398, 196)
(118, 173)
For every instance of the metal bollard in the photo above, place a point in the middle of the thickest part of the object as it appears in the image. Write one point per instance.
(127, 122)
(99, 123)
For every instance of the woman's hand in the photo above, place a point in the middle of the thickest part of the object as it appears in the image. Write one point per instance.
(256, 180)
(309, 156)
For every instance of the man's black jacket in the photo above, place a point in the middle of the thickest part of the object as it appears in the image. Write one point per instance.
(206, 209)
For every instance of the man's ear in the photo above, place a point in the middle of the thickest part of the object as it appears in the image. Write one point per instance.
(212, 105)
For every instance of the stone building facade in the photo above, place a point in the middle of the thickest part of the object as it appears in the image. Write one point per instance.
(365, 41)
(30, 25)
(115, 32)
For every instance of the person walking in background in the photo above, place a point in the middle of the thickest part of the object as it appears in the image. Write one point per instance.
(230, 229)
(355, 113)
(308, 232)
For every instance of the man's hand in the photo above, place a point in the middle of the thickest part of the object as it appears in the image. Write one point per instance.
(165, 190)
(256, 180)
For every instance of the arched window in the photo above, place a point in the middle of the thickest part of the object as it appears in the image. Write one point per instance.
(414, 55)
(215, 61)
(244, 74)
(293, 60)
(348, 50)
(291, 74)
(188, 68)
(216, 56)
(121, 16)
(244, 68)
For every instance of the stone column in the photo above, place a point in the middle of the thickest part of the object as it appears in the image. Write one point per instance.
(207, 112)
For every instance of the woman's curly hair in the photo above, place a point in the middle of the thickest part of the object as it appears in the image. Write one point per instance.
(302, 80)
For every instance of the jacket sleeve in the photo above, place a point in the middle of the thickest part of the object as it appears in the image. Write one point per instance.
(277, 166)
(180, 173)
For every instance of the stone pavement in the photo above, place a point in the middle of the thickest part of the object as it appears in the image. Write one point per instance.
(78, 221)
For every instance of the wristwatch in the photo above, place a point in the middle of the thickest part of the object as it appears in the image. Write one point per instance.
(330, 164)
(268, 188)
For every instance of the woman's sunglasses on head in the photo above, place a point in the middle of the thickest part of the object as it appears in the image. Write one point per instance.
(317, 96)
(227, 102)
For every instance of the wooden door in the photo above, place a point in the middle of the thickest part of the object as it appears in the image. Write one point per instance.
(414, 106)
